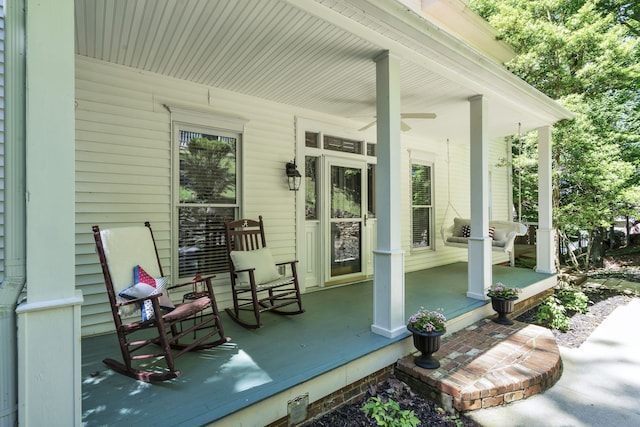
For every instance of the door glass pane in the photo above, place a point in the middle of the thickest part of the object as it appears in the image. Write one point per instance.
(346, 188)
(371, 190)
(344, 145)
(345, 249)
(311, 187)
(311, 139)
(345, 192)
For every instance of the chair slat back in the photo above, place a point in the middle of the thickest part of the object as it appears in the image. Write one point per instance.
(126, 247)
(245, 235)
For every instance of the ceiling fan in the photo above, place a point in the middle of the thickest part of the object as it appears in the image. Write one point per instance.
(403, 126)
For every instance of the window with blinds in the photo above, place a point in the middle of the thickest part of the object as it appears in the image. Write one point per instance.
(421, 205)
(208, 198)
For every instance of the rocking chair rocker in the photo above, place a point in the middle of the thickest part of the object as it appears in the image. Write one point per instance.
(126, 252)
(256, 283)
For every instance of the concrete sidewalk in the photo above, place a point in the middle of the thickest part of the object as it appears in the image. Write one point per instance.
(599, 386)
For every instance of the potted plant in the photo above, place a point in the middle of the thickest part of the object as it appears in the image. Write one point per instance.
(427, 327)
(502, 300)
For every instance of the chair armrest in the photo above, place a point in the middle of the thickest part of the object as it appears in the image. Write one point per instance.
(206, 280)
(192, 281)
(286, 262)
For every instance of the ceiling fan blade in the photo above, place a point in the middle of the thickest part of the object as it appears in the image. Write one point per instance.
(403, 126)
(418, 115)
(367, 126)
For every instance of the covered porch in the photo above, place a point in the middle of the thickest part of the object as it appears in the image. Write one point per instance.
(102, 89)
(250, 380)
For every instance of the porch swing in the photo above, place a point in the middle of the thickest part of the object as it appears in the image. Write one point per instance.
(456, 234)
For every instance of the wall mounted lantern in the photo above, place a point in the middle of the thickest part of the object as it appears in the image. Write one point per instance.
(293, 176)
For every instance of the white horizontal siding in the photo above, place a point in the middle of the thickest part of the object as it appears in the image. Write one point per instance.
(123, 166)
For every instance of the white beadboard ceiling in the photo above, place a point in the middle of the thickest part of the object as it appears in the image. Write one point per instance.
(294, 52)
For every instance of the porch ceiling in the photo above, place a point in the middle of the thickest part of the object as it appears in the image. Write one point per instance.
(316, 55)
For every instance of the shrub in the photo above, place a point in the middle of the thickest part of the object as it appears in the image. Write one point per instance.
(554, 308)
(574, 300)
(551, 314)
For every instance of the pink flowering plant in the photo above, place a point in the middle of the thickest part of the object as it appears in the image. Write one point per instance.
(428, 321)
(499, 290)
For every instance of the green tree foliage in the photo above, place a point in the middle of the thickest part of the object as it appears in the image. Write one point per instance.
(586, 55)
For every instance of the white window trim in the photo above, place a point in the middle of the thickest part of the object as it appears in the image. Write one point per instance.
(205, 122)
(205, 118)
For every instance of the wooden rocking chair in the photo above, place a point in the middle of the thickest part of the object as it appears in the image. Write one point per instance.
(256, 282)
(194, 325)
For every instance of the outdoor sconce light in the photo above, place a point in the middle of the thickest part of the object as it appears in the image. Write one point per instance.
(293, 176)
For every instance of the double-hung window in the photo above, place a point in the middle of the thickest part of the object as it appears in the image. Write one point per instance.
(207, 196)
(421, 204)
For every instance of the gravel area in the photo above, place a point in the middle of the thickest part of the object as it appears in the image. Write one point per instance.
(603, 300)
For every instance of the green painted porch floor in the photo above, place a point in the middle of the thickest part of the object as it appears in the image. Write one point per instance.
(256, 364)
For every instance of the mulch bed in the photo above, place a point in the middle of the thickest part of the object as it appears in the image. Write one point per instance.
(429, 414)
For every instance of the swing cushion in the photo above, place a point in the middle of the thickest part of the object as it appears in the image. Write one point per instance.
(503, 233)
(462, 228)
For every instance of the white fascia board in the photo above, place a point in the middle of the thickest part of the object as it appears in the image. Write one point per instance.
(437, 51)
(455, 17)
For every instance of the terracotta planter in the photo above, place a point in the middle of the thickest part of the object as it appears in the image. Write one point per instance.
(427, 343)
(503, 306)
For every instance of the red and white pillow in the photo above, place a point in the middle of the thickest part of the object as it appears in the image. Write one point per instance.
(145, 285)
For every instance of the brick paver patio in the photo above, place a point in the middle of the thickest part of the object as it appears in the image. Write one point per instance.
(487, 364)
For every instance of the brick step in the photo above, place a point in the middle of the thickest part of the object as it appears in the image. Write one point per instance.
(487, 364)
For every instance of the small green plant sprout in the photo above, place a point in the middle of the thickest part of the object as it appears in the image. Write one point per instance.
(389, 414)
(500, 290)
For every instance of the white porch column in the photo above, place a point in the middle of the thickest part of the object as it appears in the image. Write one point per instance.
(49, 379)
(479, 267)
(545, 238)
(388, 281)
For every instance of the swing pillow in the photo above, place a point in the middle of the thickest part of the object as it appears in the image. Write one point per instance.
(500, 235)
(462, 228)
(458, 224)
